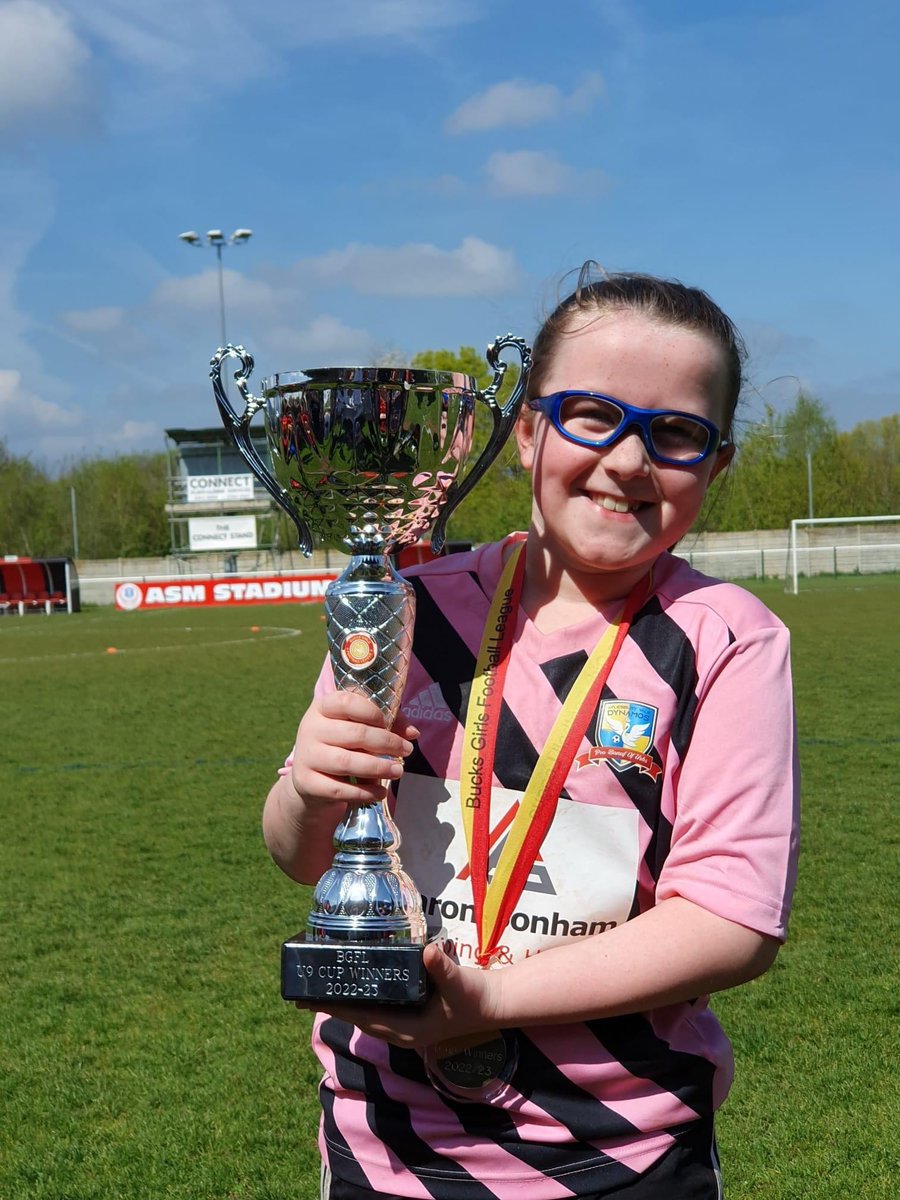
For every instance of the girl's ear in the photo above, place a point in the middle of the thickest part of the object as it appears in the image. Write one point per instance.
(723, 458)
(525, 439)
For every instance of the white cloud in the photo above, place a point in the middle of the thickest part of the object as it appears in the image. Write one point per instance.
(767, 343)
(326, 341)
(134, 433)
(224, 36)
(360, 19)
(197, 296)
(44, 77)
(475, 267)
(94, 320)
(449, 186)
(526, 173)
(170, 38)
(518, 103)
(591, 88)
(181, 54)
(22, 410)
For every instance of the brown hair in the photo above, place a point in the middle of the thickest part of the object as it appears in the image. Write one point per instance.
(666, 300)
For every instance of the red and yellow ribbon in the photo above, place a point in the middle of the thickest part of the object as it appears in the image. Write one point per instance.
(495, 900)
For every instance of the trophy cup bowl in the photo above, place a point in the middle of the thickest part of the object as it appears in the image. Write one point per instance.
(368, 458)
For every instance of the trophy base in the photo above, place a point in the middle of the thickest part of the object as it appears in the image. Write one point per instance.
(355, 972)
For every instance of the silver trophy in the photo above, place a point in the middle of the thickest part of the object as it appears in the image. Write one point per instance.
(370, 458)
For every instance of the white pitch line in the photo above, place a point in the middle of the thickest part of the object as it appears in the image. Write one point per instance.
(277, 632)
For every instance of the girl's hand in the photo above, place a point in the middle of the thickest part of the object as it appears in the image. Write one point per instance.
(344, 751)
(464, 1001)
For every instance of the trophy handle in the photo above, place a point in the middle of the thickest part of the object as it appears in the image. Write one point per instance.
(239, 429)
(504, 417)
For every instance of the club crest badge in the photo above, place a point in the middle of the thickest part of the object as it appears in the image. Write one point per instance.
(358, 649)
(624, 735)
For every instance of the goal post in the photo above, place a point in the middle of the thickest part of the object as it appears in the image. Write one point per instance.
(841, 546)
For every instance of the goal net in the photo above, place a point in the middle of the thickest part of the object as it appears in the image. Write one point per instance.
(822, 548)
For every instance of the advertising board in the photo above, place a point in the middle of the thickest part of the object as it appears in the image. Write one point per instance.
(222, 533)
(205, 593)
(220, 488)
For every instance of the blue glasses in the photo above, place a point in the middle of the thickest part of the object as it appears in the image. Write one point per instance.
(591, 419)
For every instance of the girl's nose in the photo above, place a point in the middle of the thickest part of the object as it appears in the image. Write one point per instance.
(627, 455)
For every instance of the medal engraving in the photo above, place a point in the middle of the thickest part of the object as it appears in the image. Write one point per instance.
(473, 1069)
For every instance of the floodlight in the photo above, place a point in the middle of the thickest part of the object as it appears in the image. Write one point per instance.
(217, 239)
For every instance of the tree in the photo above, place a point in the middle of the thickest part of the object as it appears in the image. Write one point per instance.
(868, 467)
(779, 462)
(121, 505)
(501, 500)
(29, 517)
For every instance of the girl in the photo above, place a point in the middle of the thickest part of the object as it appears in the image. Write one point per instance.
(628, 845)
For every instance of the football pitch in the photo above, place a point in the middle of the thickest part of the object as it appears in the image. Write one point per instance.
(146, 1052)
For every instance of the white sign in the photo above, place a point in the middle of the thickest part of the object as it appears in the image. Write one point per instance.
(219, 487)
(222, 533)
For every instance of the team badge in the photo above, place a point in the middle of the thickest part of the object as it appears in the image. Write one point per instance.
(358, 649)
(129, 596)
(624, 735)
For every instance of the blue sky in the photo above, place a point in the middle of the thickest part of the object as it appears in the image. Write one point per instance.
(425, 173)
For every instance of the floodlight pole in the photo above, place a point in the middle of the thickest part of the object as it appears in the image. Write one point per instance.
(217, 239)
(221, 292)
(74, 522)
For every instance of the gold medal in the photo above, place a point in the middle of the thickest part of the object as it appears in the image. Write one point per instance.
(476, 1068)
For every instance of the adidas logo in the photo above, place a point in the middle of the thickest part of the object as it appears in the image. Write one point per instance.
(427, 706)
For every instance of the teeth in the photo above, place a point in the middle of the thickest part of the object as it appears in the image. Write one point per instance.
(619, 506)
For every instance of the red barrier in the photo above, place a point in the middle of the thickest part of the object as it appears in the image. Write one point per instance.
(206, 593)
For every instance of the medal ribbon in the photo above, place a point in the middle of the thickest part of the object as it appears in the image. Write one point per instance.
(495, 902)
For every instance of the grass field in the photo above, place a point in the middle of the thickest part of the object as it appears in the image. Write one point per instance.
(145, 1049)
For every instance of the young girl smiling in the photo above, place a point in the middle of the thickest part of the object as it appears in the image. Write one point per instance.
(628, 845)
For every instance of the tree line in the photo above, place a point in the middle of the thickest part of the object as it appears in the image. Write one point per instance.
(782, 462)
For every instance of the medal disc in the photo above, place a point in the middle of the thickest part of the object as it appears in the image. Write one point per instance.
(476, 1070)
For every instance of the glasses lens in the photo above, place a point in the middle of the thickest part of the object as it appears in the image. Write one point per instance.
(680, 437)
(677, 437)
(589, 417)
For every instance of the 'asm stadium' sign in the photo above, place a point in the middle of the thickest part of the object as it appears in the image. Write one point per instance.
(177, 593)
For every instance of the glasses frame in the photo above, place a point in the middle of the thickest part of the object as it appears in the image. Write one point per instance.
(640, 418)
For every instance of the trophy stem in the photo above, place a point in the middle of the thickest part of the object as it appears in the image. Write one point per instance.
(365, 895)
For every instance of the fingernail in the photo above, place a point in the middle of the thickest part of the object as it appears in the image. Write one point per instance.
(413, 732)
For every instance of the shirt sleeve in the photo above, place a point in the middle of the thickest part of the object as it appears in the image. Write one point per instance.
(735, 833)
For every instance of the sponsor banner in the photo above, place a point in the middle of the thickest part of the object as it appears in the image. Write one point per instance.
(222, 533)
(218, 487)
(179, 593)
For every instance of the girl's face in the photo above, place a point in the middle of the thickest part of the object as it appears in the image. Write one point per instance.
(601, 516)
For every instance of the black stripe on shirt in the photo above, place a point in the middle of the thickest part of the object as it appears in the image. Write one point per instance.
(348, 1168)
(645, 794)
(446, 658)
(596, 1171)
(389, 1119)
(670, 653)
(587, 1118)
(440, 649)
(643, 1053)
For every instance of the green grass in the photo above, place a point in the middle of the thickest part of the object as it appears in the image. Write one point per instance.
(146, 1051)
